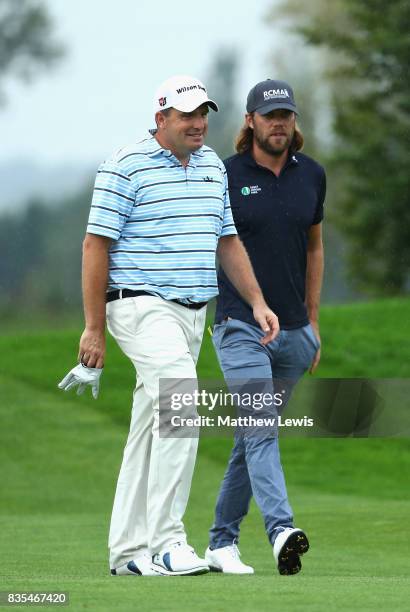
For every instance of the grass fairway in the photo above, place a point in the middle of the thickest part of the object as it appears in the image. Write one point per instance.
(60, 457)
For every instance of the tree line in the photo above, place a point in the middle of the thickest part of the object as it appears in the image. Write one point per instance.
(364, 49)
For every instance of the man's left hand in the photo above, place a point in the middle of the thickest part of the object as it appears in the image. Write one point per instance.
(316, 358)
(268, 322)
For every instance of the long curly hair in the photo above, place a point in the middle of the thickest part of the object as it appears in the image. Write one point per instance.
(244, 140)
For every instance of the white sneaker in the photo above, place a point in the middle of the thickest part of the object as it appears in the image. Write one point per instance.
(289, 544)
(179, 560)
(227, 560)
(140, 566)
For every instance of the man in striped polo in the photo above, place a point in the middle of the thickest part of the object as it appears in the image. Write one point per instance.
(159, 214)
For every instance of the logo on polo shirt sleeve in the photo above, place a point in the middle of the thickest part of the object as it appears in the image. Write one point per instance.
(251, 190)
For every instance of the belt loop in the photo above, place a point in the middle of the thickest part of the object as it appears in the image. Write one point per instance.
(120, 294)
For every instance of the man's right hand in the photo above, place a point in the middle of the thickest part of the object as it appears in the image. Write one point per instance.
(92, 348)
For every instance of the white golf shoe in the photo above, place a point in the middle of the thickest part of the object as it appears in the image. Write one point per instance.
(140, 566)
(227, 560)
(287, 548)
(179, 560)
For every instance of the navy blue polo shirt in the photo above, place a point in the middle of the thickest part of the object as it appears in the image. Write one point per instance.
(273, 216)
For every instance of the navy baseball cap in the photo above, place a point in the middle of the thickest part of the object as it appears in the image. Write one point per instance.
(270, 95)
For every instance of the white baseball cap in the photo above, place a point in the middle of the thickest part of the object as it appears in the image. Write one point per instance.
(185, 93)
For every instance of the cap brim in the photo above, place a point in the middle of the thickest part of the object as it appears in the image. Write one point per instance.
(192, 104)
(265, 109)
(213, 105)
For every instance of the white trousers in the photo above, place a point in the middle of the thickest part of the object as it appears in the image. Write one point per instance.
(163, 340)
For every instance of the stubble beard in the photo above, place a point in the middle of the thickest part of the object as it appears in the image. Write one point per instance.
(268, 148)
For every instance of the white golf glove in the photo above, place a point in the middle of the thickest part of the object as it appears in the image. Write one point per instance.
(82, 376)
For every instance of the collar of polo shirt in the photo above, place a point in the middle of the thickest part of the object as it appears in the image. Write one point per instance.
(158, 150)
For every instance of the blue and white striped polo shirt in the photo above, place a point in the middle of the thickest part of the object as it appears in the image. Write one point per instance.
(165, 220)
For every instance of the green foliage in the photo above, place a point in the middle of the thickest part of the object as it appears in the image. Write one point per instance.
(26, 42)
(368, 47)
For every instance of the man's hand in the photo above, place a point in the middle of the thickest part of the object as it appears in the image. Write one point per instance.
(316, 358)
(267, 320)
(92, 348)
(82, 376)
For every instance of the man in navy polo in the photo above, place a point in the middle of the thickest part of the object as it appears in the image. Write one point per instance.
(277, 196)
